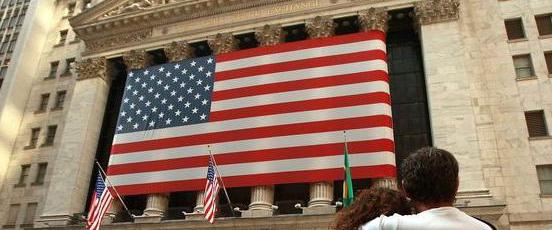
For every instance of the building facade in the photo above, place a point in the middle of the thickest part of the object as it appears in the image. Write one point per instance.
(470, 76)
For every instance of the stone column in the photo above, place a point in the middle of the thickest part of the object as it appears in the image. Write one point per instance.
(321, 193)
(176, 51)
(112, 212)
(197, 214)
(68, 191)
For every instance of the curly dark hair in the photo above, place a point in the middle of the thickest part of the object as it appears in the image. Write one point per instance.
(368, 205)
(430, 175)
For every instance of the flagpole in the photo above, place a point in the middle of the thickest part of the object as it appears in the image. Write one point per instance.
(114, 189)
(221, 181)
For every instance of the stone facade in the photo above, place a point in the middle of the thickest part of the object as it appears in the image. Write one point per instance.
(476, 104)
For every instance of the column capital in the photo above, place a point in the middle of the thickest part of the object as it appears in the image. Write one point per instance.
(135, 59)
(222, 43)
(269, 35)
(436, 11)
(320, 27)
(176, 51)
(92, 68)
(373, 19)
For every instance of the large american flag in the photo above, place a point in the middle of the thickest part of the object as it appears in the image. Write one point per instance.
(272, 115)
(99, 205)
(211, 192)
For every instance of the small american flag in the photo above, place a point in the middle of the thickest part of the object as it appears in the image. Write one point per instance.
(211, 192)
(100, 204)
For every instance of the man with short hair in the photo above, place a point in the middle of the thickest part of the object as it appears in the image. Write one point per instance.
(430, 180)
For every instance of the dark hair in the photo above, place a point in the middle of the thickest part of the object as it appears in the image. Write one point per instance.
(370, 204)
(430, 175)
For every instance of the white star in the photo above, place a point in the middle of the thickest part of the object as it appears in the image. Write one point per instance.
(210, 60)
(180, 99)
(141, 98)
(200, 69)
(161, 115)
(152, 123)
(125, 100)
(184, 71)
(132, 106)
(137, 79)
(154, 109)
(161, 69)
(176, 66)
(152, 77)
(135, 92)
(135, 126)
(168, 121)
(187, 105)
(193, 63)
(192, 77)
(177, 113)
(129, 87)
(157, 95)
(204, 102)
(203, 116)
(145, 117)
(175, 79)
(138, 112)
(173, 93)
(146, 72)
(190, 90)
(198, 82)
(183, 84)
(129, 119)
(119, 128)
(130, 74)
(197, 96)
(144, 84)
(123, 114)
(207, 87)
(194, 110)
(185, 119)
(166, 87)
(171, 107)
(150, 90)
(164, 101)
(168, 74)
(148, 103)
(159, 82)
(208, 74)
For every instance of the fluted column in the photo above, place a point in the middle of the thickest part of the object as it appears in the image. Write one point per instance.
(321, 193)
(176, 51)
(200, 196)
(386, 182)
(157, 204)
(112, 212)
(78, 144)
(373, 19)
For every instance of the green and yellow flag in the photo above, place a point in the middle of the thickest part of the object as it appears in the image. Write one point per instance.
(348, 195)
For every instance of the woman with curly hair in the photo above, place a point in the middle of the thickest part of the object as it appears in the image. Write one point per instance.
(370, 204)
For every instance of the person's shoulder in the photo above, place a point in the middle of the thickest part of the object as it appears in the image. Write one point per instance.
(392, 222)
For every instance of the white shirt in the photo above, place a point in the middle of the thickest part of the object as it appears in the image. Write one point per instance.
(444, 218)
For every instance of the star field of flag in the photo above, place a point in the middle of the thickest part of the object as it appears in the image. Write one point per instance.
(168, 95)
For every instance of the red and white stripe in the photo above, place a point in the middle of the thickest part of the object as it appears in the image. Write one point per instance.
(277, 116)
(210, 199)
(98, 209)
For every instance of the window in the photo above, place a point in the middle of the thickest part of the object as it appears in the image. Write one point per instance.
(12, 215)
(50, 135)
(68, 63)
(548, 58)
(20, 19)
(514, 28)
(40, 174)
(11, 46)
(60, 99)
(30, 213)
(53, 69)
(62, 37)
(544, 24)
(24, 174)
(34, 138)
(43, 102)
(70, 9)
(536, 124)
(544, 173)
(523, 66)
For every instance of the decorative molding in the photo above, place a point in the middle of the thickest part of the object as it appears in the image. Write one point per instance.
(436, 11)
(222, 43)
(373, 19)
(176, 51)
(320, 27)
(119, 40)
(136, 59)
(269, 35)
(128, 7)
(92, 68)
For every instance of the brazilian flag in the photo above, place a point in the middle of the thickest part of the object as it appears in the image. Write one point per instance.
(348, 195)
